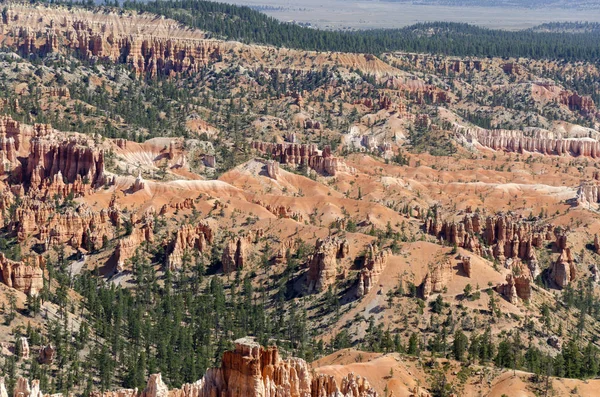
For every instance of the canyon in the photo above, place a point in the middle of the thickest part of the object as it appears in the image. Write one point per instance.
(164, 191)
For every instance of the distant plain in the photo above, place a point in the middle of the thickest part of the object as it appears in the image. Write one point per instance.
(339, 14)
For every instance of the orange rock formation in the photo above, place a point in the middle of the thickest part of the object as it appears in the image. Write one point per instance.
(162, 49)
(539, 141)
(248, 371)
(296, 154)
(191, 239)
(438, 276)
(375, 263)
(235, 254)
(322, 267)
(26, 276)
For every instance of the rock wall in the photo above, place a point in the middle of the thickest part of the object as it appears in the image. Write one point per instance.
(437, 63)
(431, 94)
(538, 142)
(281, 211)
(510, 240)
(463, 234)
(248, 371)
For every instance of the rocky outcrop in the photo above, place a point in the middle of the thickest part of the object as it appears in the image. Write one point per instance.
(23, 348)
(72, 156)
(285, 248)
(46, 355)
(156, 387)
(188, 239)
(235, 254)
(509, 290)
(22, 388)
(299, 100)
(312, 124)
(209, 160)
(385, 102)
(375, 262)
(462, 234)
(431, 94)
(561, 237)
(26, 276)
(79, 227)
(128, 245)
(281, 211)
(253, 371)
(563, 271)
(248, 371)
(272, 169)
(54, 159)
(437, 278)
(537, 141)
(465, 262)
(518, 283)
(186, 204)
(47, 170)
(57, 92)
(503, 236)
(594, 273)
(575, 102)
(3, 392)
(588, 194)
(512, 68)
(554, 341)
(308, 155)
(138, 184)
(437, 63)
(323, 264)
(291, 137)
(149, 49)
